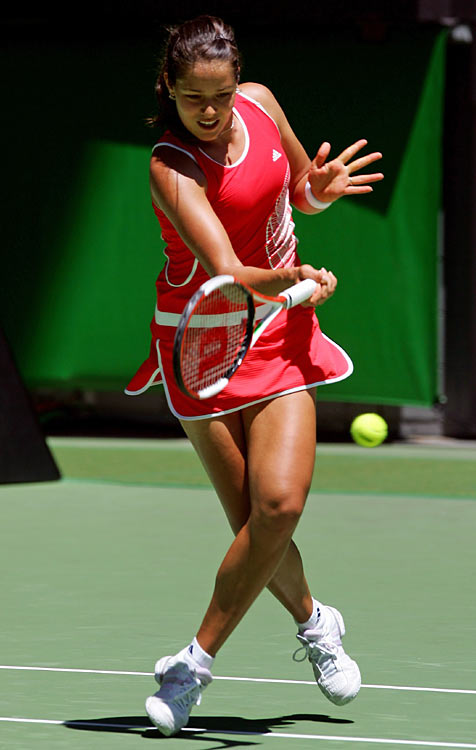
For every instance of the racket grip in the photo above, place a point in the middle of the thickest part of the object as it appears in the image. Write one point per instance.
(299, 292)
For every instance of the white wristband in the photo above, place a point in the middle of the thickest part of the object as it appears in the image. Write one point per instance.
(312, 200)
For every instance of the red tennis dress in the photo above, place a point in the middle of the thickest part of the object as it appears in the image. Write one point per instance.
(251, 199)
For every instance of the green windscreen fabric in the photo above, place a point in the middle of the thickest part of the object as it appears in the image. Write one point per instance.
(384, 248)
(82, 247)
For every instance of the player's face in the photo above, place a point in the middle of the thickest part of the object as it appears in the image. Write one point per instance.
(205, 96)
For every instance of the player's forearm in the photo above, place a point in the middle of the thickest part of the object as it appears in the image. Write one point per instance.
(267, 281)
(300, 198)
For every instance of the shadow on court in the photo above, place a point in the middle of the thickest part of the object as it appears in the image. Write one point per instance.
(236, 725)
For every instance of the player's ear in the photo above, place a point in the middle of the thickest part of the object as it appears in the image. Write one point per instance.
(167, 83)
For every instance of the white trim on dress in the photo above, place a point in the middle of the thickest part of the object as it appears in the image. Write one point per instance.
(210, 321)
(244, 153)
(348, 372)
(177, 148)
(258, 104)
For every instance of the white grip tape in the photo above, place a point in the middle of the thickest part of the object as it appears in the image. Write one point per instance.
(299, 292)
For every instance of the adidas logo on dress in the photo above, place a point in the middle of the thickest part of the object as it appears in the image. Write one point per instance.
(276, 155)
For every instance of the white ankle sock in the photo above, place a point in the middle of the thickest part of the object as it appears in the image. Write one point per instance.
(199, 655)
(314, 618)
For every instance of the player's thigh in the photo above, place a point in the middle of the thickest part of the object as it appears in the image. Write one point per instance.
(221, 446)
(281, 440)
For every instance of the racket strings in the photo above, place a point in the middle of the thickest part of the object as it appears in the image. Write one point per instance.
(214, 339)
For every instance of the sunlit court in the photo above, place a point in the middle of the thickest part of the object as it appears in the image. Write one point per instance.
(237, 376)
(108, 567)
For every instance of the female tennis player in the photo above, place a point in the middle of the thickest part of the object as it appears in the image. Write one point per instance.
(223, 178)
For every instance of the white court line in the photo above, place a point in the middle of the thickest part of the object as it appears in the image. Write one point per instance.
(235, 679)
(278, 735)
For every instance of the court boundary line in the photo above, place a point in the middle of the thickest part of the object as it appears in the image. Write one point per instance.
(278, 735)
(268, 680)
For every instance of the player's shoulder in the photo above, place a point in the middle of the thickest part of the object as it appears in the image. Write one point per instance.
(260, 93)
(169, 157)
(265, 97)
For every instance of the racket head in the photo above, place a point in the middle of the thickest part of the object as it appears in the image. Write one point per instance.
(212, 337)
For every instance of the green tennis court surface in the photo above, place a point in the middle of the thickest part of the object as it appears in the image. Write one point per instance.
(110, 568)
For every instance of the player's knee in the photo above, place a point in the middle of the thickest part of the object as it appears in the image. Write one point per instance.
(281, 512)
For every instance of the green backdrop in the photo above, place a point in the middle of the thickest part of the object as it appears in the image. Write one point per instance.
(82, 247)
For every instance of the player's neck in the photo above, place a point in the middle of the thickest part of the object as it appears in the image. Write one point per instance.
(228, 147)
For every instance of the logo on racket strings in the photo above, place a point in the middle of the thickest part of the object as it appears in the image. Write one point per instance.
(211, 349)
(213, 354)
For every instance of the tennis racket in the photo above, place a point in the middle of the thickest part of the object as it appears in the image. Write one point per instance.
(219, 325)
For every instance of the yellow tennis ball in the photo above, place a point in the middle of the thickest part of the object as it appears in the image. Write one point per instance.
(369, 430)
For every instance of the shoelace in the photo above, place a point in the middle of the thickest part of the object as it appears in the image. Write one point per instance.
(315, 651)
(170, 683)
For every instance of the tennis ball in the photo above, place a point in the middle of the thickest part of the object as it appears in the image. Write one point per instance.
(369, 430)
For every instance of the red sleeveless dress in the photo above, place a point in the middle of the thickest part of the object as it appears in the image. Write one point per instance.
(251, 199)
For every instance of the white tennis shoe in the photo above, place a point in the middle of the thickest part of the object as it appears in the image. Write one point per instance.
(181, 682)
(337, 675)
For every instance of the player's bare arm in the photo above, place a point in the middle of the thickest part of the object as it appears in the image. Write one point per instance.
(329, 179)
(178, 188)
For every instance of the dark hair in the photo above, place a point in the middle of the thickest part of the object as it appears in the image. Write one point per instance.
(203, 38)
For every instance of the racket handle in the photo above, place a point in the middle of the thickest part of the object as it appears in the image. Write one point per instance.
(299, 292)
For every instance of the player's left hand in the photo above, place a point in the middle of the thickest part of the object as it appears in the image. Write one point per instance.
(326, 284)
(331, 180)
